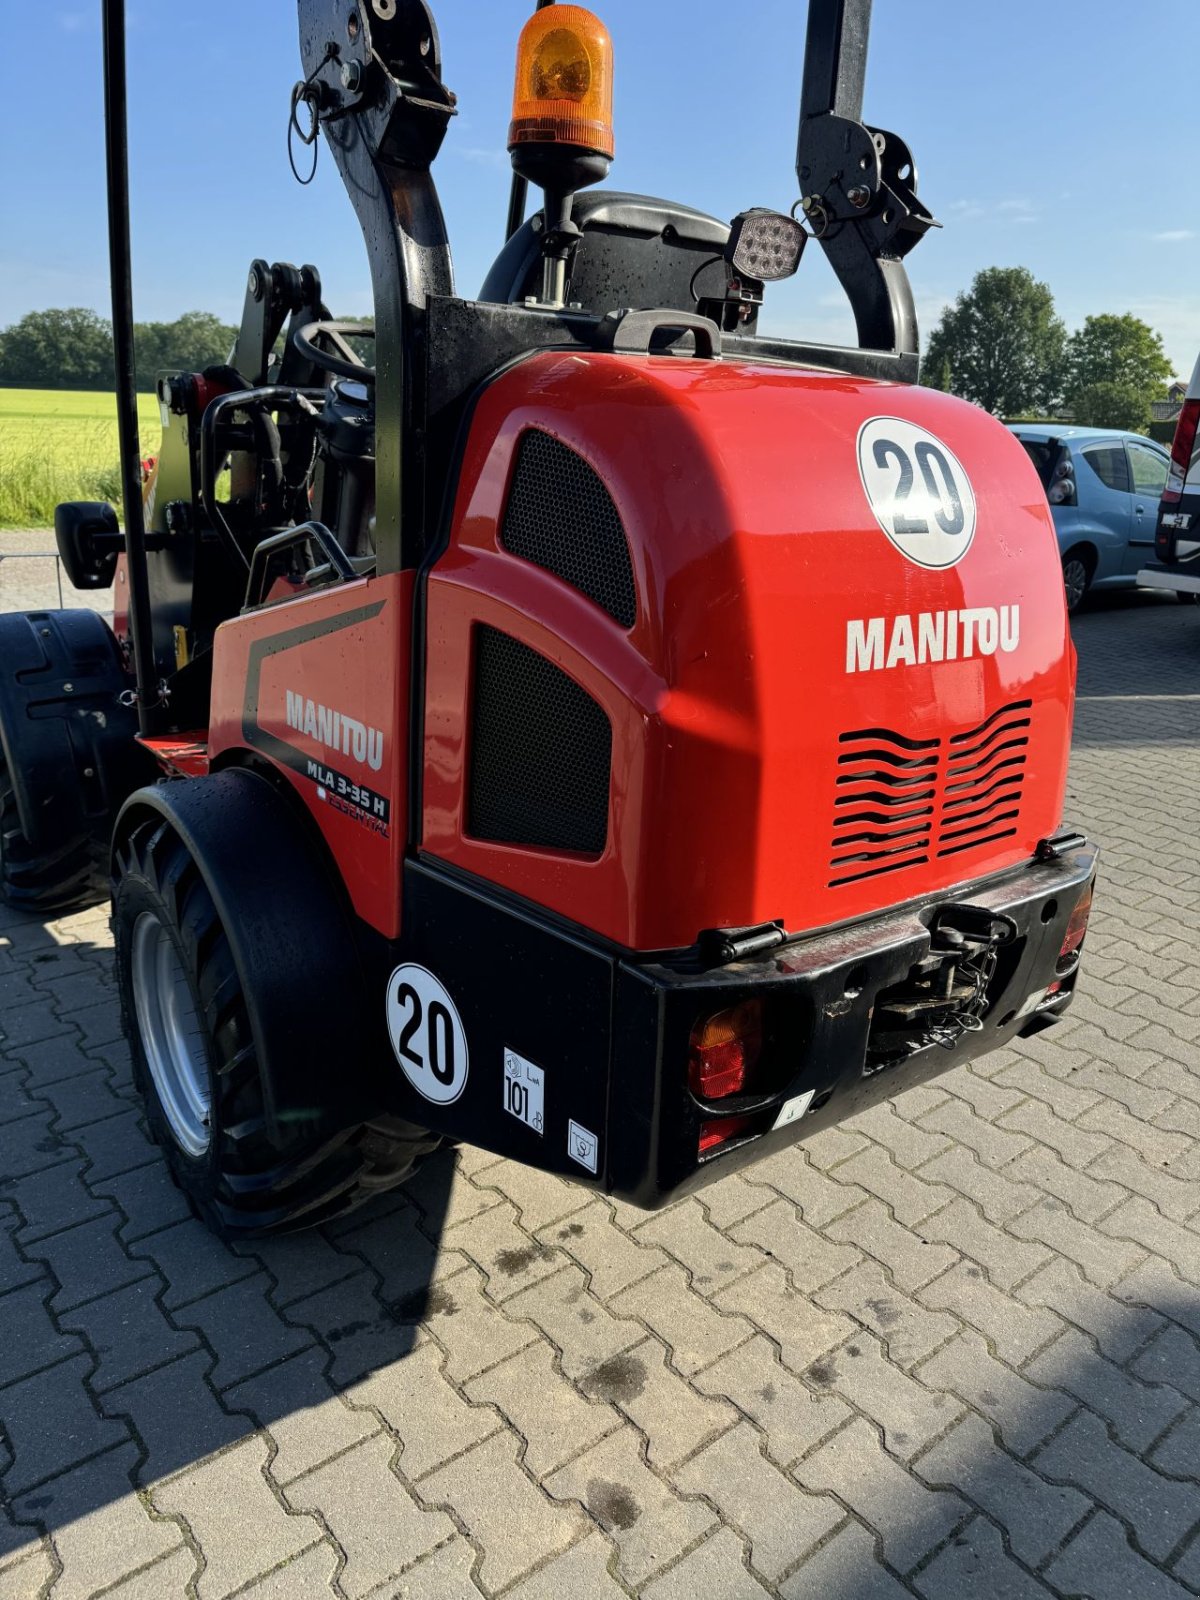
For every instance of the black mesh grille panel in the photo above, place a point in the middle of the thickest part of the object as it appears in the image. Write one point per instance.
(541, 752)
(561, 517)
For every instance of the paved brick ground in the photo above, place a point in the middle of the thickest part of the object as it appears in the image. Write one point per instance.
(951, 1348)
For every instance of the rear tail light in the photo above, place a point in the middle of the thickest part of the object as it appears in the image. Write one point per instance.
(1068, 956)
(1181, 451)
(724, 1050)
(719, 1130)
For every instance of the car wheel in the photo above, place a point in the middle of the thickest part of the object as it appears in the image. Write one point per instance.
(1077, 579)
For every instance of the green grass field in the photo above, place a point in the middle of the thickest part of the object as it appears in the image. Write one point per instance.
(60, 445)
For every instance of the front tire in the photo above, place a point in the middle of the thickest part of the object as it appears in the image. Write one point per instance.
(195, 1061)
(1077, 579)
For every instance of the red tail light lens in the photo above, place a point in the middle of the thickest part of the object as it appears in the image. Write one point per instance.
(1076, 929)
(717, 1130)
(1181, 450)
(723, 1051)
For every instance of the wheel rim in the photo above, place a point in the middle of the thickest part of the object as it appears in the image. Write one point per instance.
(1075, 582)
(172, 1034)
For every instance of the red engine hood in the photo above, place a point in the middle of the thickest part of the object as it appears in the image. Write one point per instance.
(809, 723)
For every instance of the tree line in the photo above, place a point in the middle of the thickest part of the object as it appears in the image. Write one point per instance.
(72, 349)
(1003, 345)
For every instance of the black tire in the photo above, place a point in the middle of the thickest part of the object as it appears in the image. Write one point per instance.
(1078, 570)
(72, 875)
(246, 1182)
(1187, 597)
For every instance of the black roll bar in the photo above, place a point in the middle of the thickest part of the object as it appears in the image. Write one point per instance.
(120, 270)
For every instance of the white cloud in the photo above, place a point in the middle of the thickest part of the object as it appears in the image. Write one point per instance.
(1174, 235)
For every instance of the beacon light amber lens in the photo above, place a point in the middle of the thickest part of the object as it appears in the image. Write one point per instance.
(564, 84)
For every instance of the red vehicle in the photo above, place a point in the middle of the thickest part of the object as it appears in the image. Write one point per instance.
(596, 731)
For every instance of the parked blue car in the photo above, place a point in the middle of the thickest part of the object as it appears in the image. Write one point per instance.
(1104, 488)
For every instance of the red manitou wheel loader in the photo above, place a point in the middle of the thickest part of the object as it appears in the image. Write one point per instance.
(595, 730)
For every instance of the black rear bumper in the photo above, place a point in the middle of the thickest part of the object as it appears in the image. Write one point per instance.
(609, 1031)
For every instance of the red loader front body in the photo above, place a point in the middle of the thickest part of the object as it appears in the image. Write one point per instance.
(752, 767)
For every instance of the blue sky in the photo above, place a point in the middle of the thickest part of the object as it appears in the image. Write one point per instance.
(1045, 135)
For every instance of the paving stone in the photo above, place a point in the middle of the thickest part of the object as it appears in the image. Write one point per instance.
(176, 1416)
(146, 1197)
(1101, 1563)
(241, 1326)
(1076, 1146)
(1137, 1412)
(51, 1200)
(220, 1499)
(911, 1257)
(846, 1567)
(349, 1319)
(975, 1562)
(1101, 1260)
(300, 1264)
(407, 1262)
(52, 1425)
(780, 1520)
(582, 1570)
(584, 1331)
(516, 1525)
(14, 1269)
(374, 1519)
(18, 1541)
(97, 1025)
(795, 1175)
(432, 1419)
(475, 1334)
(909, 1331)
(1125, 1169)
(82, 1100)
(711, 1258)
(1018, 1331)
(193, 1261)
(611, 1258)
(116, 1145)
(1153, 1285)
(129, 1333)
(1036, 1515)
(101, 1529)
(1120, 1330)
(509, 1259)
(30, 1341)
(31, 1144)
(31, 1023)
(792, 1417)
(730, 1200)
(27, 1579)
(765, 1301)
(308, 1576)
(909, 1518)
(909, 1413)
(1083, 1195)
(994, 1144)
(996, 1194)
(304, 1415)
(540, 1198)
(1006, 1260)
(1178, 1455)
(1139, 1220)
(713, 1568)
(649, 1523)
(1159, 1510)
(810, 1258)
(911, 1197)
(88, 1260)
(1024, 1413)
(675, 1418)
(445, 1575)
(891, 1126)
(548, 1410)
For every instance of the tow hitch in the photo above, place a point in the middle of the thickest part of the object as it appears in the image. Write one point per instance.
(947, 993)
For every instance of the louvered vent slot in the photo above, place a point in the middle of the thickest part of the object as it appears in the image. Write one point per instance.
(984, 781)
(561, 517)
(541, 752)
(883, 812)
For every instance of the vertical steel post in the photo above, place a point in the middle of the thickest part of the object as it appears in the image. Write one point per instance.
(519, 192)
(117, 158)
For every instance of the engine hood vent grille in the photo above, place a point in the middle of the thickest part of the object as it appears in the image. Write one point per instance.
(900, 801)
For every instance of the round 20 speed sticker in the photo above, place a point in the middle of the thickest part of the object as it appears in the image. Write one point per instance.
(427, 1035)
(918, 490)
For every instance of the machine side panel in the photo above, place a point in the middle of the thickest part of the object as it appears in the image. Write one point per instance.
(318, 687)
